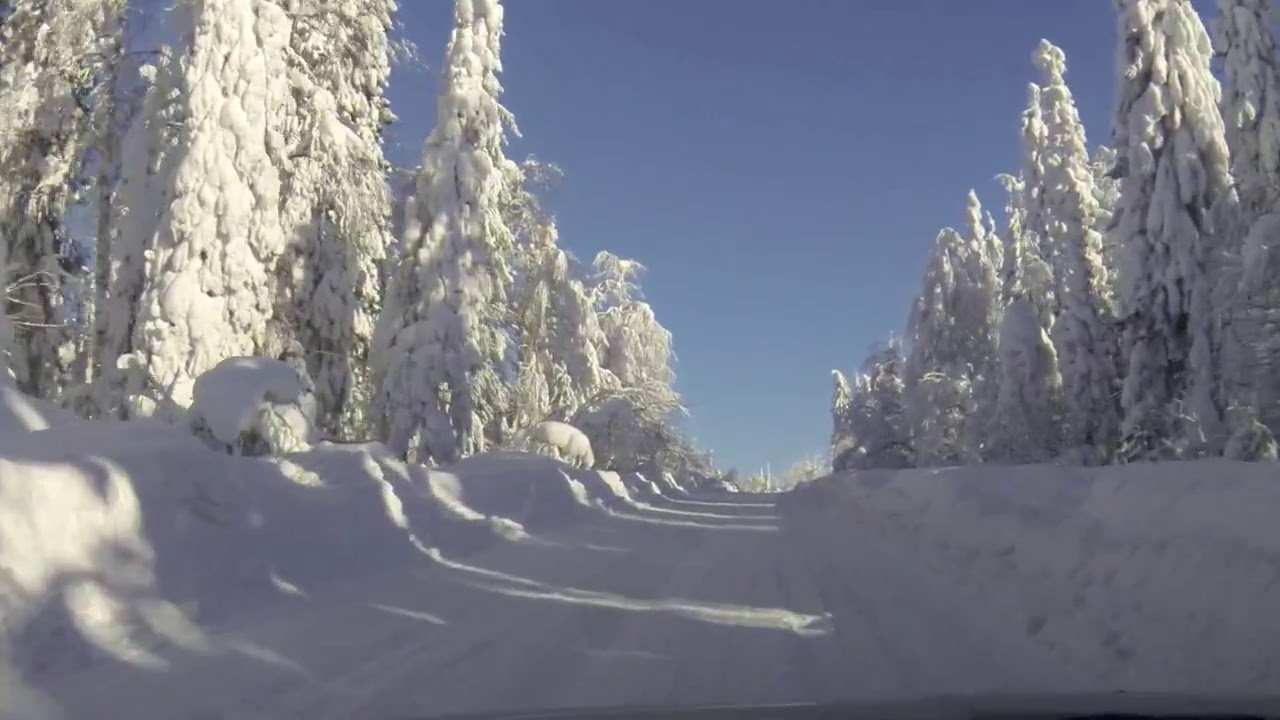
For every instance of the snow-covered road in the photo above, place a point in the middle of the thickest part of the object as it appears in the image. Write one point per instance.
(724, 599)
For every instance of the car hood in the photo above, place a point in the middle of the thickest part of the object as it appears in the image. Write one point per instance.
(953, 707)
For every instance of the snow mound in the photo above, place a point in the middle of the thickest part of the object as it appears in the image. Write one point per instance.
(1126, 551)
(531, 490)
(564, 441)
(254, 406)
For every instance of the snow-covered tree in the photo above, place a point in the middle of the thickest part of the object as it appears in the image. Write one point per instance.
(440, 340)
(1174, 188)
(206, 292)
(141, 196)
(1024, 420)
(51, 60)
(977, 311)
(1035, 138)
(1082, 332)
(841, 404)
(874, 417)
(633, 418)
(939, 369)
(558, 339)
(1250, 100)
(1106, 191)
(1023, 272)
(335, 201)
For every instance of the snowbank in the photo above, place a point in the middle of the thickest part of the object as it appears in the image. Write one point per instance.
(254, 406)
(532, 490)
(1121, 553)
(115, 536)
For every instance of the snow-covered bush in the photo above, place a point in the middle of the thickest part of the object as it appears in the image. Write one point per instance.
(1250, 440)
(632, 429)
(254, 406)
(567, 442)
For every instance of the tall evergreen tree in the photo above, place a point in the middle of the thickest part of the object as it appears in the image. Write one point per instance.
(1023, 425)
(939, 370)
(1175, 187)
(336, 202)
(205, 292)
(52, 57)
(1082, 333)
(1250, 100)
(441, 338)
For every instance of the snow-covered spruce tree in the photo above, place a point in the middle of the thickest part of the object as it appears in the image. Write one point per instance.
(335, 201)
(1023, 272)
(1106, 191)
(1024, 422)
(1251, 111)
(977, 310)
(1035, 136)
(440, 338)
(875, 416)
(142, 194)
(1174, 188)
(1082, 333)
(1250, 101)
(939, 368)
(841, 406)
(51, 61)
(206, 290)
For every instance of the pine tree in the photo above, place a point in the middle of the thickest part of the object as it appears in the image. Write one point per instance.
(1250, 101)
(841, 401)
(440, 338)
(206, 292)
(1024, 421)
(1106, 191)
(335, 201)
(1023, 272)
(1251, 111)
(977, 312)
(140, 197)
(879, 418)
(1035, 136)
(939, 369)
(1174, 187)
(51, 60)
(1082, 333)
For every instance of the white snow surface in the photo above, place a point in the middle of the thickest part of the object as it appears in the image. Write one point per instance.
(229, 397)
(145, 573)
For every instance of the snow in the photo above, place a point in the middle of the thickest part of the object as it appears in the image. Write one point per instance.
(151, 575)
(242, 395)
(1145, 573)
(440, 327)
(206, 291)
(21, 413)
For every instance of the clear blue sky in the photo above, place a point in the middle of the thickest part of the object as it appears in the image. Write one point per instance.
(781, 166)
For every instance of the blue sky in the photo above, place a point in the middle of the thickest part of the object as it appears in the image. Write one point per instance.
(781, 166)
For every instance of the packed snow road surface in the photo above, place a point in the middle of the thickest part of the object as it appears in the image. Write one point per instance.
(719, 599)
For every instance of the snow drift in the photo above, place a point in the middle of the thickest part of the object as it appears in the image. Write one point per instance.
(116, 536)
(1123, 553)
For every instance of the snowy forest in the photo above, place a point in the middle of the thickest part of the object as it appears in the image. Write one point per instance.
(1126, 308)
(238, 205)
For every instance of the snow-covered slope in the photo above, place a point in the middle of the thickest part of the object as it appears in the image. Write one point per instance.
(115, 536)
(1117, 567)
(141, 570)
